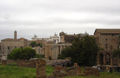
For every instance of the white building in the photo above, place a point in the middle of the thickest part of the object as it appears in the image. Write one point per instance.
(54, 38)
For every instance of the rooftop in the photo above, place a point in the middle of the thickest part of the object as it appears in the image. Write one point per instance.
(108, 30)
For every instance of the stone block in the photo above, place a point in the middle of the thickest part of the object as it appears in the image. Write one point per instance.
(4, 62)
(40, 68)
(91, 71)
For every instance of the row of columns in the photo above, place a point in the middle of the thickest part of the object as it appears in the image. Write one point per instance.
(104, 59)
(50, 49)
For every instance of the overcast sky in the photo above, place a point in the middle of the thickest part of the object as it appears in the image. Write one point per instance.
(46, 17)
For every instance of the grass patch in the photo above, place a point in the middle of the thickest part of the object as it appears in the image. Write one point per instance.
(13, 71)
(102, 75)
(49, 70)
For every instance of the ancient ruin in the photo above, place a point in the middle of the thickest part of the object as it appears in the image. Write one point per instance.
(40, 68)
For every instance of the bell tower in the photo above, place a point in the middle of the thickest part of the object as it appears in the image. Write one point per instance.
(15, 35)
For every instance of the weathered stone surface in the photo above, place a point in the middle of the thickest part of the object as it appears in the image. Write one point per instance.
(59, 68)
(59, 72)
(91, 71)
(51, 76)
(74, 71)
(75, 65)
(23, 63)
(40, 69)
(4, 62)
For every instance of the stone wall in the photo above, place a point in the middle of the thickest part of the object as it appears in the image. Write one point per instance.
(61, 72)
(8, 45)
(23, 63)
(91, 71)
(108, 40)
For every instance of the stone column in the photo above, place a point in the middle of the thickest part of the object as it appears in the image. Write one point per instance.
(111, 63)
(60, 49)
(40, 68)
(4, 60)
(111, 60)
(98, 59)
(104, 60)
(77, 69)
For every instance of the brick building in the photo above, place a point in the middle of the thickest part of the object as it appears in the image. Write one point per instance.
(8, 44)
(108, 40)
(68, 38)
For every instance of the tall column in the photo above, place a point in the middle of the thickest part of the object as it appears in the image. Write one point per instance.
(60, 48)
(104, 60)
(111, 63)
(111, 60)
(98, 59)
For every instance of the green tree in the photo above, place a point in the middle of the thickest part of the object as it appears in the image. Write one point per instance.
(22, 53)
(40, 44)
(15, 54)
(33, 43)
(83, 51)
(39, 56)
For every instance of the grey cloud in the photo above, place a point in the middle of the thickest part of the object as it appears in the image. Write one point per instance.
(31, 15)
(109, 6)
